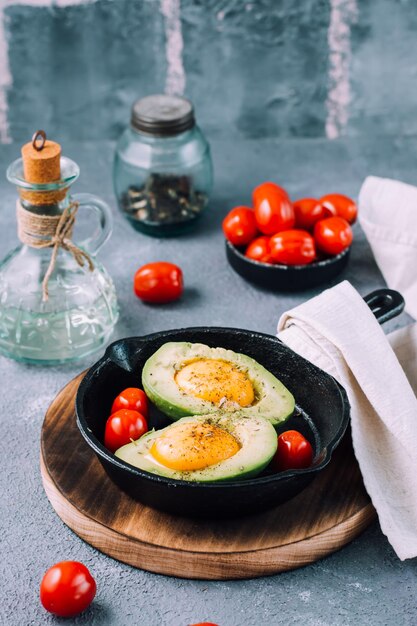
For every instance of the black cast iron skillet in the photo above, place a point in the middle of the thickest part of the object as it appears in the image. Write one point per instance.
(322, 415)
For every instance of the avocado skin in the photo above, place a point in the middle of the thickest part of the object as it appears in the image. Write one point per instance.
(171, 410)
(275, 402)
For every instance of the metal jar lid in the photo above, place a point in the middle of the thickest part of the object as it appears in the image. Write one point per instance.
(162, 115)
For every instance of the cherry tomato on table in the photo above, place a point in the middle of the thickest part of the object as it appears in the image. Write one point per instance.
(308, 211)
(293, 247)
(273, 209)
(67, 588)
(333, 235)
(133, 399)
(239, 226)
(341, 205)
(123, 426)
(158, 282)
(294, 452)
(259, 250)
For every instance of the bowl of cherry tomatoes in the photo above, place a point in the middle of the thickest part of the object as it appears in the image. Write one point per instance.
(289, 246)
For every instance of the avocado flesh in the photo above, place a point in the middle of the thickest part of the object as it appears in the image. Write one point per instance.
(273, 400)
(256, 436)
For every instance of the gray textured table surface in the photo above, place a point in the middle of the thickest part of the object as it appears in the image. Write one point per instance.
(364, 583)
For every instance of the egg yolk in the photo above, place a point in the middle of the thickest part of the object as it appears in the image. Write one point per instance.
(213, 379)
(194, 446)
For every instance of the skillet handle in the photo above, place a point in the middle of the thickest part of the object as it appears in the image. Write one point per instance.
(385, 304)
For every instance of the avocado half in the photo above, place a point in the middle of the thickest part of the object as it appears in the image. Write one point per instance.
(256, 436)
(273, 401)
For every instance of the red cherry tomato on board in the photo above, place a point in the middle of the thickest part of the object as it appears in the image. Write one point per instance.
(341, 205)
(273, 209)
(308, 211)
(123, 426)
(259, 250)
(333, 235)
(133, 399)
(293, 247)
(67, 588)
(239, 226)
(294, 452)
(158, 282)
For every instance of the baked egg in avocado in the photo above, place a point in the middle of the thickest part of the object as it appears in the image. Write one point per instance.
(193, 379)
(205, 448)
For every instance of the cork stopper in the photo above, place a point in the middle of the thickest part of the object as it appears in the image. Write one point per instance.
(41, 165)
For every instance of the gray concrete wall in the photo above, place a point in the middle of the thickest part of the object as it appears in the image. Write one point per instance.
(258, 68)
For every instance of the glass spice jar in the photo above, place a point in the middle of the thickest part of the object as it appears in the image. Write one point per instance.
(162, 167)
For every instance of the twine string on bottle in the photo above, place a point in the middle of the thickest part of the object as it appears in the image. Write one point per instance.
(51, 231)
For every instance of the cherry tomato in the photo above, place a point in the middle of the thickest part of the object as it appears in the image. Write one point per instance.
(260, 250)
(204, 624)
(123, 426)
(308, 211)
(333, 235)
(133, 399)
(259, 191)
(294, 452)
(293, 247)
(341, 205)
(158, 282)
(273, 209)
(67, 588)
(239, 226)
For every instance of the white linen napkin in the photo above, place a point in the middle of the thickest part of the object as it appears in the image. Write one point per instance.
(388, 216)
(337, 332)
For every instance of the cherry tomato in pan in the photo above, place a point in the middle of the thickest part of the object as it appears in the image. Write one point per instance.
(341, 205)
(158, 283)
(294, 452)
(67, 588)
(259, 250)
(273, 209)
(239, 226)
(308, 211)
(122, 427)
(133, 399)
(293, 247)
(333, 235)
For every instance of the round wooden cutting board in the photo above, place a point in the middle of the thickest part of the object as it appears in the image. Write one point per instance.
(329, 513)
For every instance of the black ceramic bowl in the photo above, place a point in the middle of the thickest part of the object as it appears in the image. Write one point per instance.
(322, 416)
(286, 277)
